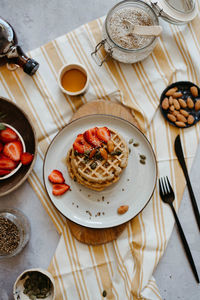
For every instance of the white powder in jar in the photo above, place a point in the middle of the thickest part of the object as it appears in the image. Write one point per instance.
(119, 28)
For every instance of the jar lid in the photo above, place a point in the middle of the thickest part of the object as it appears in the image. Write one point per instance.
(175, 11)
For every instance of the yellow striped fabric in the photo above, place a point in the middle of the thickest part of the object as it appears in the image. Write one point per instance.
(122, 268)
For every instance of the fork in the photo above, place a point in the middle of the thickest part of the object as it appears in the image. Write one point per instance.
(167, 196)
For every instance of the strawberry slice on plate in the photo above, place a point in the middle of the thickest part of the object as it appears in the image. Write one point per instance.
(7, 163)
(80, 144)
(26, 158)
(60, 189)
(13, 150)
(56, 177)
(90, 136)
(8, 135)
(103, 134)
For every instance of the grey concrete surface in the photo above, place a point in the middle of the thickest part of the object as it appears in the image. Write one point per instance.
(37, 22)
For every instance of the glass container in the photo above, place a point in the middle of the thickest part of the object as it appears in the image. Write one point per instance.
(22, 224)
(176, 12)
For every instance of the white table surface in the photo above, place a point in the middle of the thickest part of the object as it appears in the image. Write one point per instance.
(37, 22)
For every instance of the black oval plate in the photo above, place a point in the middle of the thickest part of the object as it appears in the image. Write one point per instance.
(184, 87)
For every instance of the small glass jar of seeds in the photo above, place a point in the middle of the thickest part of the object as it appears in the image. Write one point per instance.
(14, 232)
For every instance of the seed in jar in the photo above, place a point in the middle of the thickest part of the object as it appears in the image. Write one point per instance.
(171, 100)
(184, 113)
(171, 108)
(197, 105)
(182, 103)
(176, 104)
(165, 104)
(190, 103)
(177, 95)
(171, 91)
(175, 113)
(171, 117)
(180, 124)
(181, 118)
(194, 91)
(190, 119)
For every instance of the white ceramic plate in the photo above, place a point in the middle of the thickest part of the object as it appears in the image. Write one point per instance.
(99, 209)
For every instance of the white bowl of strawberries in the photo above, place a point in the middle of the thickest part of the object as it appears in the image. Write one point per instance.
(12, 151)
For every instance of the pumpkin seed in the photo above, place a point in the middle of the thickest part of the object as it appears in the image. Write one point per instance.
(93, 165)
(130, 141)
(143, 157)
(142, 161)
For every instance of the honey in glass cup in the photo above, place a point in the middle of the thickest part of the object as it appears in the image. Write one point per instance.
(73, 79)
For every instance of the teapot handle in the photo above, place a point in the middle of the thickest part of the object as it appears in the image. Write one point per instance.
(95, 55)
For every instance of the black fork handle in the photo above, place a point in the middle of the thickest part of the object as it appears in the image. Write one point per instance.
(185, 243)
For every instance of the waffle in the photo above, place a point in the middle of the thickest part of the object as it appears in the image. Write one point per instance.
(106, 171)
(76, 176)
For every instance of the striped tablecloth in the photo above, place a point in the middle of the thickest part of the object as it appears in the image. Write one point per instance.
(122, 268)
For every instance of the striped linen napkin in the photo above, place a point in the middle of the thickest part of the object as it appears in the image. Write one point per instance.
(122, 268)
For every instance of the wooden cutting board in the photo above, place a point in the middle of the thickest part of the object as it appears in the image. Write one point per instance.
(95, 236)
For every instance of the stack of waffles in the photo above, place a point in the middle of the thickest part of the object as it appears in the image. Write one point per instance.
(97, 158)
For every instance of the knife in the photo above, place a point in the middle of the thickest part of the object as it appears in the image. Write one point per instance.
(179, 154)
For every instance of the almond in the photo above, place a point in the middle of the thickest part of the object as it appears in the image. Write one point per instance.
(175, 113)
(190, 103)
(171, 117)
(184, 113)
(104, 153)
(165, 104)
(92, 153)
(171, 100)
(181, 118)
(110, 146)
(197, 105)
(177, 95)
(172, 108)
(180, 124)
(122, 209)
(176, 104)
(182, 103)
(170, 92)
(190, 119)
(194, 91)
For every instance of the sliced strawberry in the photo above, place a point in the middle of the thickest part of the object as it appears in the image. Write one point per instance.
(4, 172)
(7, 163)
(1, 146)
(103, 134)
(13, 150)
(91, 137)
(56, 177)
(60, 189)
(8, 135)
(80, 144)
(26, 158)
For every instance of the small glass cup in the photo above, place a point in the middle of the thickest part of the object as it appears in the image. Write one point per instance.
(23, 225)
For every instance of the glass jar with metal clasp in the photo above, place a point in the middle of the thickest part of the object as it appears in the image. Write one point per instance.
(119, 38)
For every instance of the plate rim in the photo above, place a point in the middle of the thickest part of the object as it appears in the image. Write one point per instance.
(35, 149)
(114, 117)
